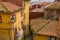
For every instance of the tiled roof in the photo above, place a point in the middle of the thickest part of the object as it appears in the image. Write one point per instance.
(49, 29)
(40, 5)
(37, 10)
(8, 6)
(55, 5)
(2, 8)
(33, 6)
(18, 2)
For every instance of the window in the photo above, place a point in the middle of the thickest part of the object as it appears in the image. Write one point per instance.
(13, 18)
(52, 38)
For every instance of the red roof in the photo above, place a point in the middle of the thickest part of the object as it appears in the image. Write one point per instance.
(37, 10)
(50, 29)
(57, 0)
(33, 6)
(10, 6)
(18, 2)
(41, 4)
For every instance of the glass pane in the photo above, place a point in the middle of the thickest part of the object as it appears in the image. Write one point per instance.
(52, 38)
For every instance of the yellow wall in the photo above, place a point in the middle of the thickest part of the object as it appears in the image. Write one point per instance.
(27, 15)
(5, 25)
(38, 37)
(18, 20)
(17, 23)
(27, 12)
(6, 20)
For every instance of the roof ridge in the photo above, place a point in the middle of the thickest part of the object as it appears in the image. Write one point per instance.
(49, 5)
(4, 6)
(10, 7)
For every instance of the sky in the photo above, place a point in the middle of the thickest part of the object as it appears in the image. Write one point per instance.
(38, 1)
(48, 0)
(42, 0)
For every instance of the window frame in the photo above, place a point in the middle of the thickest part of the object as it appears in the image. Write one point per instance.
(50, 38)
(13, 16)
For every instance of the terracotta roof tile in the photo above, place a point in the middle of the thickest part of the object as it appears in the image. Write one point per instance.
(49, 29)
(37, 10)
(2, 8)
(9, 6)
(55, 5)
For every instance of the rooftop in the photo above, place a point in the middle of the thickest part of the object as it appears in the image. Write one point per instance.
(9, 7)
(55, 5)
(37, 10)
(42, 27)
